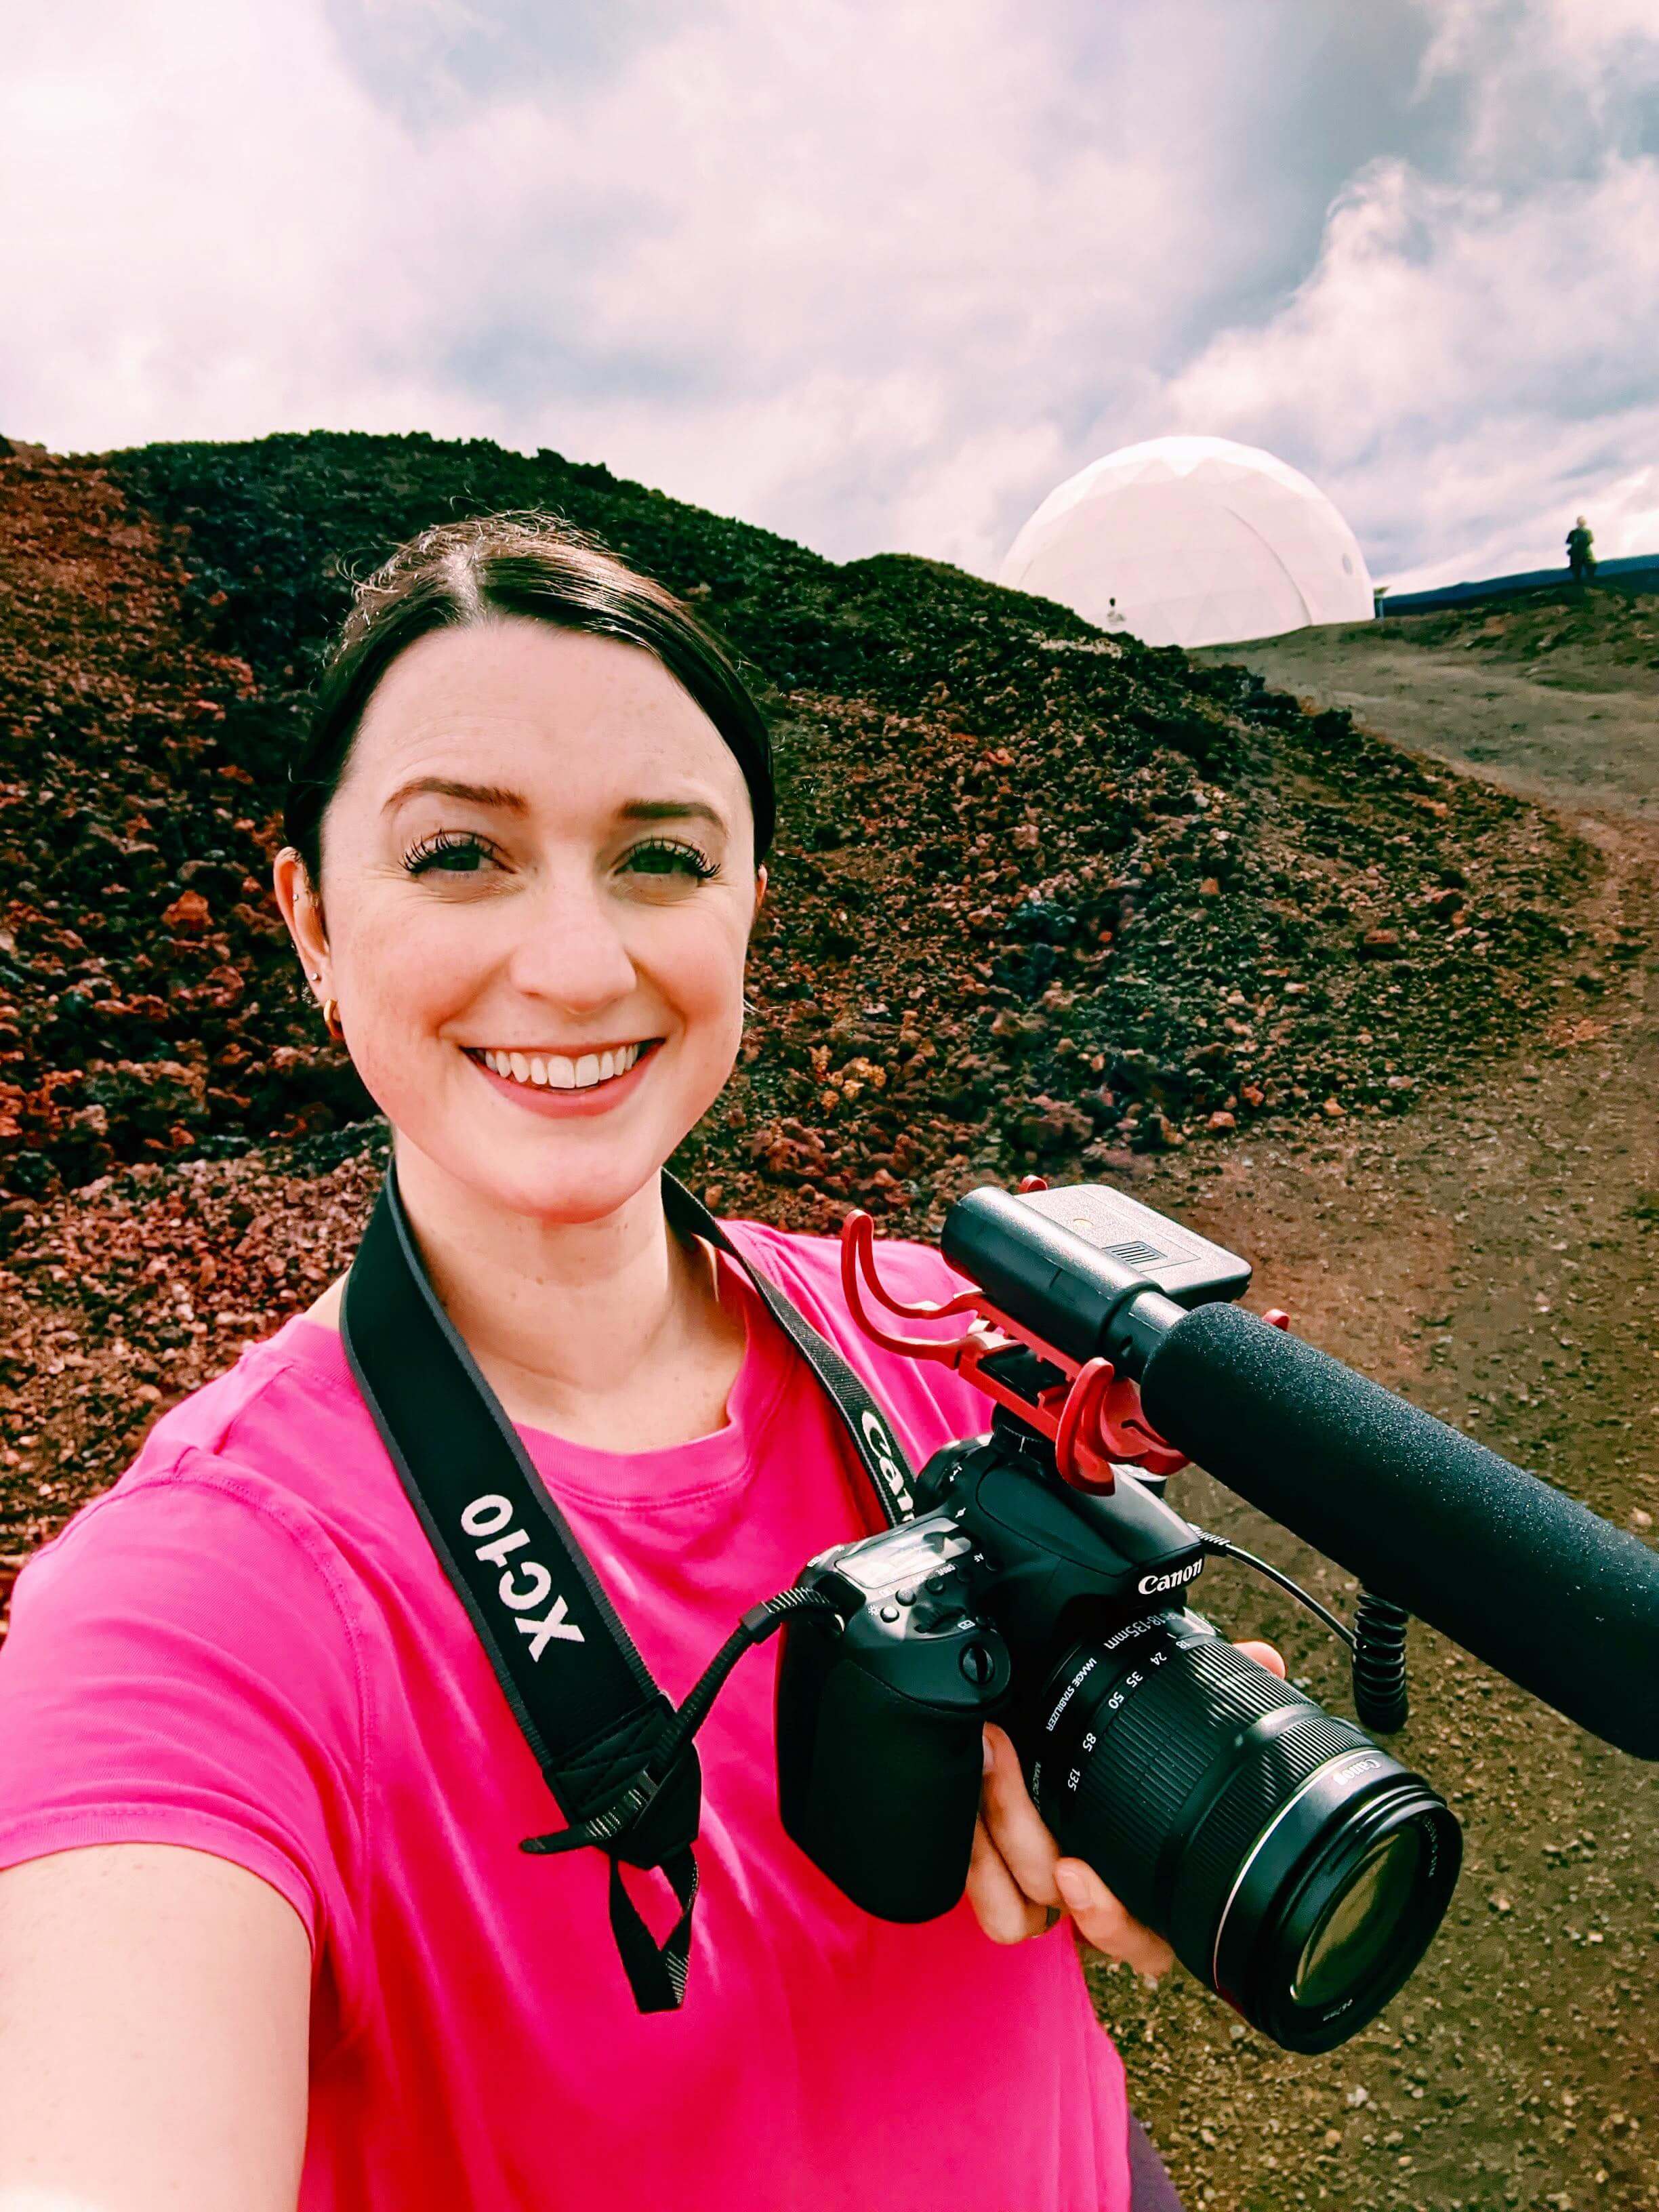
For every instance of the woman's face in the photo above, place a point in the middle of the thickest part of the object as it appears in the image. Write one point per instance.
(593, 890)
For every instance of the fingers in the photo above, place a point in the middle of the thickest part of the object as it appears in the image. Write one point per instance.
(1017, 1882)
(1015, 1827)
(1001, 1907)
(1103, 1922)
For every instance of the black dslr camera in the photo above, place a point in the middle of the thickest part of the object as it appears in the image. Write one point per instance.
(1293, 1865)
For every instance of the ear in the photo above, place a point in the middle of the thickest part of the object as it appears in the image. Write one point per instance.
(301, 910)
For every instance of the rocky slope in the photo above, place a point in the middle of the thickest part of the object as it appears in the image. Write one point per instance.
(1043, 899)
(1135, 898)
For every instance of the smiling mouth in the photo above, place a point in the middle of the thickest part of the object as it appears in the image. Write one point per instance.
(553, 1072)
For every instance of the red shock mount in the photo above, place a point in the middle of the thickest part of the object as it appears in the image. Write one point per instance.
(1094, 1419)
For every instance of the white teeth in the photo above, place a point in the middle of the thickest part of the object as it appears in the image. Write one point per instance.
(554, 1073)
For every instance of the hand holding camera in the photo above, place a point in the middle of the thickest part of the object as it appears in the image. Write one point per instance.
(1020, 1885)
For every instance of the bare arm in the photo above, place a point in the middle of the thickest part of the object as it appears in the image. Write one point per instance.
(154, 2007)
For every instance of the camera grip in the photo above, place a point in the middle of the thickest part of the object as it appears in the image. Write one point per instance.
(880, 1791)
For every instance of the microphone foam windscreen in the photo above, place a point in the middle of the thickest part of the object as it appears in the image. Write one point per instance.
(1513, 1570)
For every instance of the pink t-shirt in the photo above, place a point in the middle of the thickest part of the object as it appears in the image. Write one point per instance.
(247, 1647)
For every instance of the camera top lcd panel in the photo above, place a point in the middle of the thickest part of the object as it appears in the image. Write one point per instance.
(1068, 1277)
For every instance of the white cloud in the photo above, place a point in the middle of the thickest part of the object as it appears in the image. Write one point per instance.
(1548, 82)
(803, 264)
(1457, 366)
(1470, 363)
(195, 234)
(874, 277)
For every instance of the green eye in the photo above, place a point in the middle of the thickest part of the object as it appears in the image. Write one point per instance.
(666, 857)
(431, 850)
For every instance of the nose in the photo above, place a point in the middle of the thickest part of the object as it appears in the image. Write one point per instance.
(568, 950)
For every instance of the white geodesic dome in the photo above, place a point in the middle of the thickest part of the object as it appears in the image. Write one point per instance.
(1192, 541)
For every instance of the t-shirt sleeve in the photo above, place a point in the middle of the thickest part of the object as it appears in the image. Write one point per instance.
(181, 1668)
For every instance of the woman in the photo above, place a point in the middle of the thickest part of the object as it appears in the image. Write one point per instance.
(265, 1934)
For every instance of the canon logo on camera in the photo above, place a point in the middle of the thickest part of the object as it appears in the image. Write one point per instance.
(1149, 1585)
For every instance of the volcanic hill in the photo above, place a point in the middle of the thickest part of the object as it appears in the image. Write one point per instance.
(1043, 899)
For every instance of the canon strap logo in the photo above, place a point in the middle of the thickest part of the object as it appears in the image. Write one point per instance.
(892, 1474)
(526, 1583)
(1149, 1585)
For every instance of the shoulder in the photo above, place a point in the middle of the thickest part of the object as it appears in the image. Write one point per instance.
(185, 1615)
(198, 1538)
(919, 1270)
(809, 1267)
(283, 1446)
(269, 1386)
(184, 1665)
(227, 1501)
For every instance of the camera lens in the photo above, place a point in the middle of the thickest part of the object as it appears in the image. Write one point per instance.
(1355, 1931)
(1292, 1864)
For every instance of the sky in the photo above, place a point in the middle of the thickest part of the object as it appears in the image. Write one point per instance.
(874, 274)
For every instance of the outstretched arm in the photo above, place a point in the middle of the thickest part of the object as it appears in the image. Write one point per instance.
(155, 2005)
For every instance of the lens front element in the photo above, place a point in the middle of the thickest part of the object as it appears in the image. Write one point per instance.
(1345, 1946)
(1294, 1866)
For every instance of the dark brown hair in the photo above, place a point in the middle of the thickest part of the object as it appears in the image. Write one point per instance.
(458, 573)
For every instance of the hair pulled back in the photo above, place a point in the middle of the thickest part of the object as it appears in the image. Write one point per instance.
(458, 574)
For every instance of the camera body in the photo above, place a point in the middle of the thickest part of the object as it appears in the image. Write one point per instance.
(954, 1619)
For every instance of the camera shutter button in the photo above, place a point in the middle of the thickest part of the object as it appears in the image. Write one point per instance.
(977, 1664)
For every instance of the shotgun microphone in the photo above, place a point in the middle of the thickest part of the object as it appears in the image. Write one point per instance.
(1519, 1574)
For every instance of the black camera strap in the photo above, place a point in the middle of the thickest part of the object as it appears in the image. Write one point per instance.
(591, 1714)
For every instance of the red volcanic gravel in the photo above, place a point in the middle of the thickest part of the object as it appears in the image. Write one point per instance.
(1041, 899)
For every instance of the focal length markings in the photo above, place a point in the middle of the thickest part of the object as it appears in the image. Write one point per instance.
(1153, 1635)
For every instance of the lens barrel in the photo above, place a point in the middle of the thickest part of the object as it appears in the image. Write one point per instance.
(1294, 1867)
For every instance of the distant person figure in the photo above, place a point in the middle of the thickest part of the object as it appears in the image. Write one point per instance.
(1581, 559)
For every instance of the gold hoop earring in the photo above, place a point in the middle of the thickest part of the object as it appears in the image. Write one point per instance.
(332, 1019)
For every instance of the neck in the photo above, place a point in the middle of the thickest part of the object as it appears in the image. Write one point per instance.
(557, 1315)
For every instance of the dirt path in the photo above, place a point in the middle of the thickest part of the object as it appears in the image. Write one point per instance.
(1495, 1257)
(1577, 735)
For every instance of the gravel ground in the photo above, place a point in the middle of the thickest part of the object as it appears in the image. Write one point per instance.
(1496, 1259)
(1553, 693)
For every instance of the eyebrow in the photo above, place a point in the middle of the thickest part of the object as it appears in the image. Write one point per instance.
(513, 802)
